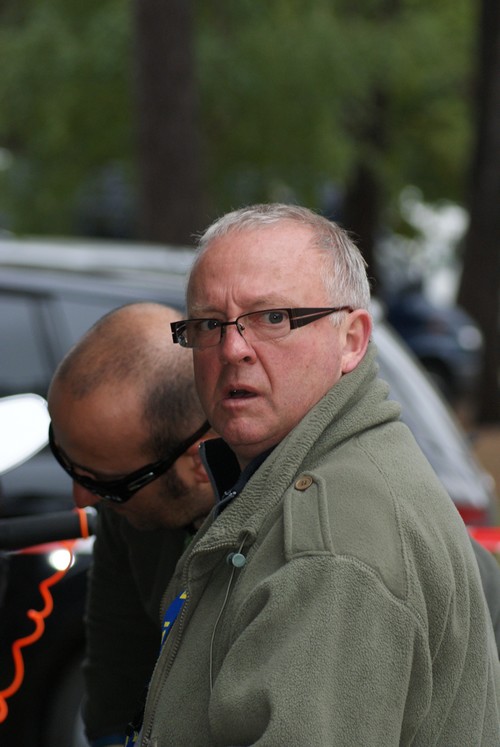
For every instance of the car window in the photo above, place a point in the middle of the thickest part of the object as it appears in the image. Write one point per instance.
(78, 315)
(24, 363)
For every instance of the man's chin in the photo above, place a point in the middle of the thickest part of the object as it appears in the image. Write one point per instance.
(248, 444)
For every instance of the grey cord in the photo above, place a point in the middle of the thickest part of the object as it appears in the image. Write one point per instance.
(226, 597)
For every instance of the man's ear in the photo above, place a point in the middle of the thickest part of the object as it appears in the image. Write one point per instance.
(193, 455)
(356, 338)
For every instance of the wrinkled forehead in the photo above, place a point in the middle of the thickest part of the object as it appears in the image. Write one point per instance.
(256, 259)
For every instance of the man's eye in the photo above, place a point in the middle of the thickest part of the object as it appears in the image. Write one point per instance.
(208, 325)
(274, 317)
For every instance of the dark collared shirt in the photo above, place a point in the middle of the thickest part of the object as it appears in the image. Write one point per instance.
(224, 471)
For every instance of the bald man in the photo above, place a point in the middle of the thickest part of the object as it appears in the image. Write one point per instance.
(126, 426)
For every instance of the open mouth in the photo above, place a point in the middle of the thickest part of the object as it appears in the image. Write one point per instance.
(240, 394)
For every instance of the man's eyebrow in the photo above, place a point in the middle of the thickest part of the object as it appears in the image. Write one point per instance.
(202, 311)
(255, 305)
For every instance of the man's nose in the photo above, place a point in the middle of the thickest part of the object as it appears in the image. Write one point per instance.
(83, 497)
(233, 339)
(234, 346)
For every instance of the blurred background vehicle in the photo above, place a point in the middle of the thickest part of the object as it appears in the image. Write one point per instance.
(50, 294)
(444, 337)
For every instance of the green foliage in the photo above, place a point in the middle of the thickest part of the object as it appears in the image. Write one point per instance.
(293, 94)
(65, 105)
(267, 73)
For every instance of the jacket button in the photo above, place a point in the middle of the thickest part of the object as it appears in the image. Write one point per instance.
(304, 482)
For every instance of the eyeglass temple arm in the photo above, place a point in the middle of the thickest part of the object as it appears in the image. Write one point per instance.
(299, 319)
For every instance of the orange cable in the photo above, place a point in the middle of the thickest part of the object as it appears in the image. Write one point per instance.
(38, 617)
(84, 522)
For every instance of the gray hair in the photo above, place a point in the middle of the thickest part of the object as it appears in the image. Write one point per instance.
(342, 266)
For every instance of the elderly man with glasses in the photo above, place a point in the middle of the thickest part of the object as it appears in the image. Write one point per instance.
(126, 426)
(333, 597)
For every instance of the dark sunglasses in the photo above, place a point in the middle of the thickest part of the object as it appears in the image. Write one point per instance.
(120, 491)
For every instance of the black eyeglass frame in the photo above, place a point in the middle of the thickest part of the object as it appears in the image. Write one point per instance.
(122, 490)
(298, 317)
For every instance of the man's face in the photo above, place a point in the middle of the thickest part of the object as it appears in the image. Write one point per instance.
(255, 394)
(104, 441)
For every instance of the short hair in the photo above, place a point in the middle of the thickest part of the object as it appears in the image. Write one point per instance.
(131, 345)
(342, 268)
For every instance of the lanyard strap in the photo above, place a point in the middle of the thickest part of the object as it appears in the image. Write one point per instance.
(170, 616)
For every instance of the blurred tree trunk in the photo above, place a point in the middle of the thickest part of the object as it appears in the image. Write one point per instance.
(168, 146)
(362, 209)
(361, 214)
(480, 283)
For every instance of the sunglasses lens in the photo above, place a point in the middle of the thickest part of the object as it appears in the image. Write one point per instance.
(101, 489)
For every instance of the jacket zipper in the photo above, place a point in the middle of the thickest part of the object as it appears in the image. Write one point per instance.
(167, 665)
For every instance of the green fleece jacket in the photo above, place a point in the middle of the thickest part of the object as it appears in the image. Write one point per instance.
(358, 618)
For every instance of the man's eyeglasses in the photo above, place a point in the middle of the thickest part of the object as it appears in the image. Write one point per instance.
(120, 491)
(268, 324)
